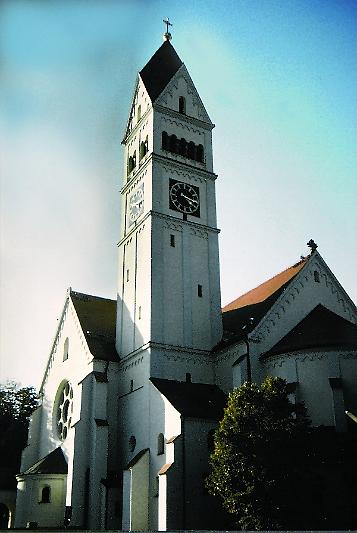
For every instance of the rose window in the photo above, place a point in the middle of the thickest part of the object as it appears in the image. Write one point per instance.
(64, 410)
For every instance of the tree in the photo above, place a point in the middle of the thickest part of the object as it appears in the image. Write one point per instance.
(16, 406)
(261, 461)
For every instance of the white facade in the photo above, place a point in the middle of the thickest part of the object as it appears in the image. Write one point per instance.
(134, 421)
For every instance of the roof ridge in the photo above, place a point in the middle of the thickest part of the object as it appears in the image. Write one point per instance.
(300, 264)
(88, 296)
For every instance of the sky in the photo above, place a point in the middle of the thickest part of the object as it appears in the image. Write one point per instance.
(277, 77)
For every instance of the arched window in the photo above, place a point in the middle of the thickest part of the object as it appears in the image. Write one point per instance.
(191, 151)
(65, 349)
(165, 141)
(143, 149)
(174, 145)
(210, 440)
(130, 164)
(316, 276)
(46, 494)
(182, 105)
(183, 147)
(160, 444)
(199, 153)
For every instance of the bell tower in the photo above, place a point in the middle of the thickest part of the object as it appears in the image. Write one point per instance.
(168, 282)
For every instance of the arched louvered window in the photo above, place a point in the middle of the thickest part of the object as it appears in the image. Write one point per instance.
(183, 147)
(191, 151)
(174, 144)
(199, 153)
(165, 141)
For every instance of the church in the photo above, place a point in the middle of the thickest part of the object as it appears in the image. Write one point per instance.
(134, 388)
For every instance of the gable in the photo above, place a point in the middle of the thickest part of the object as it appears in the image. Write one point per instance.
(181, 85)
(277, 305)
(320, 328)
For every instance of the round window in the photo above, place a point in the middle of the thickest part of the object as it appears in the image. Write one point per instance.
(64, 409)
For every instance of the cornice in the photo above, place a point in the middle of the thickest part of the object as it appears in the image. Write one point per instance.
(180, 165)
(278, 360)
(183, 118)
(197, 229)
(206, 174)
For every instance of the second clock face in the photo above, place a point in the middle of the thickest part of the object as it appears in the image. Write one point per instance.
(136, 204)
(184, 197)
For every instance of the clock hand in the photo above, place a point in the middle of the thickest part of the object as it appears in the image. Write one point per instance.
(190, 200)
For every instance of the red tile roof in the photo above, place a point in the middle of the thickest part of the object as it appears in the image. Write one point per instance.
(266, 289)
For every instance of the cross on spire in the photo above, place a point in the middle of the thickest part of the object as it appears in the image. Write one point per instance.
(167, 34)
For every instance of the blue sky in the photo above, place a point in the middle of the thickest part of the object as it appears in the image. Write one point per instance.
(279, 80)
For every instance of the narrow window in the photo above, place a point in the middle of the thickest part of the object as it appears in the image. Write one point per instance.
(46, 494)
(316, 276)
(131, 385)
(199, 291)
(172, 241)
(65, 349)
(182, 105)
(188, 377)
(160, 444)
(139, 112)
(139, 313)
(127, 275)
(132, 443)
(157, 485)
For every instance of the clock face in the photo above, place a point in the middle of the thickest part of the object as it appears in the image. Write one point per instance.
(136, 204)
(184, 198)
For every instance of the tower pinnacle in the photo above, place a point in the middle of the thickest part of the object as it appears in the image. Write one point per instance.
(167, 35)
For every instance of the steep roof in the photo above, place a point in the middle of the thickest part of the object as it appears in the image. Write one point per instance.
(321, 327)
(53, 463)
(196, 400)
(160, 69)
(266, 289)
(256, 303)
(97, 317)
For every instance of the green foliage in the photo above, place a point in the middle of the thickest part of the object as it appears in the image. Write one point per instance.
(16, 406)
(260, 458)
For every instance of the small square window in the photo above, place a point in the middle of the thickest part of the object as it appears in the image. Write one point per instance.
(199, 291)
(172, 241)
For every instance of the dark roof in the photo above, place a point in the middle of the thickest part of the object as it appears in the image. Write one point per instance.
(136, 458)
(97, 317)
(160, 69)
(320, 328)
(196, 400)
(54, 463)
(255, 304)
